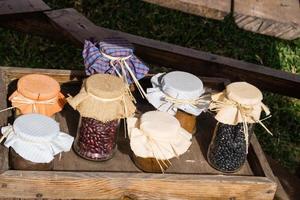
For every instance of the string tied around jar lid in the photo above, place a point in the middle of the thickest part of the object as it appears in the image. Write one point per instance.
(230, 111)
(124, 67)
(7, 132)
(202, 100)
(23, 101)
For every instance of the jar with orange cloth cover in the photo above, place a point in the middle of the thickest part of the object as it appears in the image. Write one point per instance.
(37, 93)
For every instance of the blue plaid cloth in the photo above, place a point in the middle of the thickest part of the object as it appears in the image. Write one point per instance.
(95, 62)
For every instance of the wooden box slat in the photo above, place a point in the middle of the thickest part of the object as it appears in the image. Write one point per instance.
(191, 177)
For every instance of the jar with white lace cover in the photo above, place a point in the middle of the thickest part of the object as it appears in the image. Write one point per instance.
(34, 141)
(180, 94)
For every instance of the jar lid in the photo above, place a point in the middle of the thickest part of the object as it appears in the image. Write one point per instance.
(36, 127)
(36, 138)
(182, 85)
(103, 97)
(38, 87)
(169, 125)
(178, 90)
(105, 86)
(244, 93)
(37, 93)
(164, 141)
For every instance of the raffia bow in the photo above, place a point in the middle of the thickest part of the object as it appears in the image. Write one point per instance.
(25, 101)
(9, 130)
(124, 66)
(232, 112)
(202, 100)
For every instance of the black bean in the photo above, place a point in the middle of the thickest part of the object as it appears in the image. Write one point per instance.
(228, 150)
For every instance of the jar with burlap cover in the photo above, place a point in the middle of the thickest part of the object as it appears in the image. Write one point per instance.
(102, 101)
(37, 93)
(237, 109)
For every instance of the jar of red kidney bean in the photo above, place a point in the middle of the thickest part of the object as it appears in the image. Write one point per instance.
(96, 140)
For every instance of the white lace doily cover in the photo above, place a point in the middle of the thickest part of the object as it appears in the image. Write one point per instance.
(179, 85)
(37, 138)
(159, 135)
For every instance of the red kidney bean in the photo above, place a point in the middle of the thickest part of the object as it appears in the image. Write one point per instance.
(96, 140)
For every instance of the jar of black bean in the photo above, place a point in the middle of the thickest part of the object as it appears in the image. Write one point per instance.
(96, 140)
(237, 109)
(102, 102)
(228, 148)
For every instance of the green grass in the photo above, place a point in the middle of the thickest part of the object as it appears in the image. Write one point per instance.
(219, 37)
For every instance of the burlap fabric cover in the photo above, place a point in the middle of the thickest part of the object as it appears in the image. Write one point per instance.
(103, 97)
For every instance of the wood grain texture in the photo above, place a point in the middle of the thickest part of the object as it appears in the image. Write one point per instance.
(190, 177)
(21, 6)
(206, 8)
(3, 120)
(279, 18)
(103, 185)
(78, 28)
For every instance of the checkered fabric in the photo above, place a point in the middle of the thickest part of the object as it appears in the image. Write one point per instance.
(96, 62)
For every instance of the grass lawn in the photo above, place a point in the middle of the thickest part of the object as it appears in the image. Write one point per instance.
(219, 37)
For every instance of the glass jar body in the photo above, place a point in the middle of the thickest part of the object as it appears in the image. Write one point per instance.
(227, 151)
(187, 121)
(17, 112)
(17, 162)
(96, 140)
(150, 164)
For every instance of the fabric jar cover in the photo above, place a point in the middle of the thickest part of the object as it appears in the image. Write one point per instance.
(178, 90)
(37, 93)
(239, 102)
(166, 141)
(98, 58)
(103, 97)
(37, 138)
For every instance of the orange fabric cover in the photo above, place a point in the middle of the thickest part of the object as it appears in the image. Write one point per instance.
(39, 88)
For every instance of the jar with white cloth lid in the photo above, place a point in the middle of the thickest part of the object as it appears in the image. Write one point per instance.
(102, 102)
(156, 138)
(181, 94)
(237, 109)
(34, 140)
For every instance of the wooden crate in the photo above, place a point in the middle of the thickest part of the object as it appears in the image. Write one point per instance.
(75, 178)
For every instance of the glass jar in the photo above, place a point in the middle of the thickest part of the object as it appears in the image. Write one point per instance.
(228, 150)
(150, 164)
(96, 140)
(180, 94)
(37, 93)
(16, 162)
(33, 141)
(187, 121)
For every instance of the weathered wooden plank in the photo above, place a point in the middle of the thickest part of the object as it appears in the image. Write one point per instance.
(21, 6)
(288, 183)
(70, 24)
(206, 8)
(79, 28)
(3, 121)
(102, 185)
(33, 23)
(279, 18)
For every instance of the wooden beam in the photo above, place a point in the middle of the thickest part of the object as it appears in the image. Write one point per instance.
(214, 9)
(103, 185)
(69, 24)
(278, 18)
(22, 6)
(79, 28)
